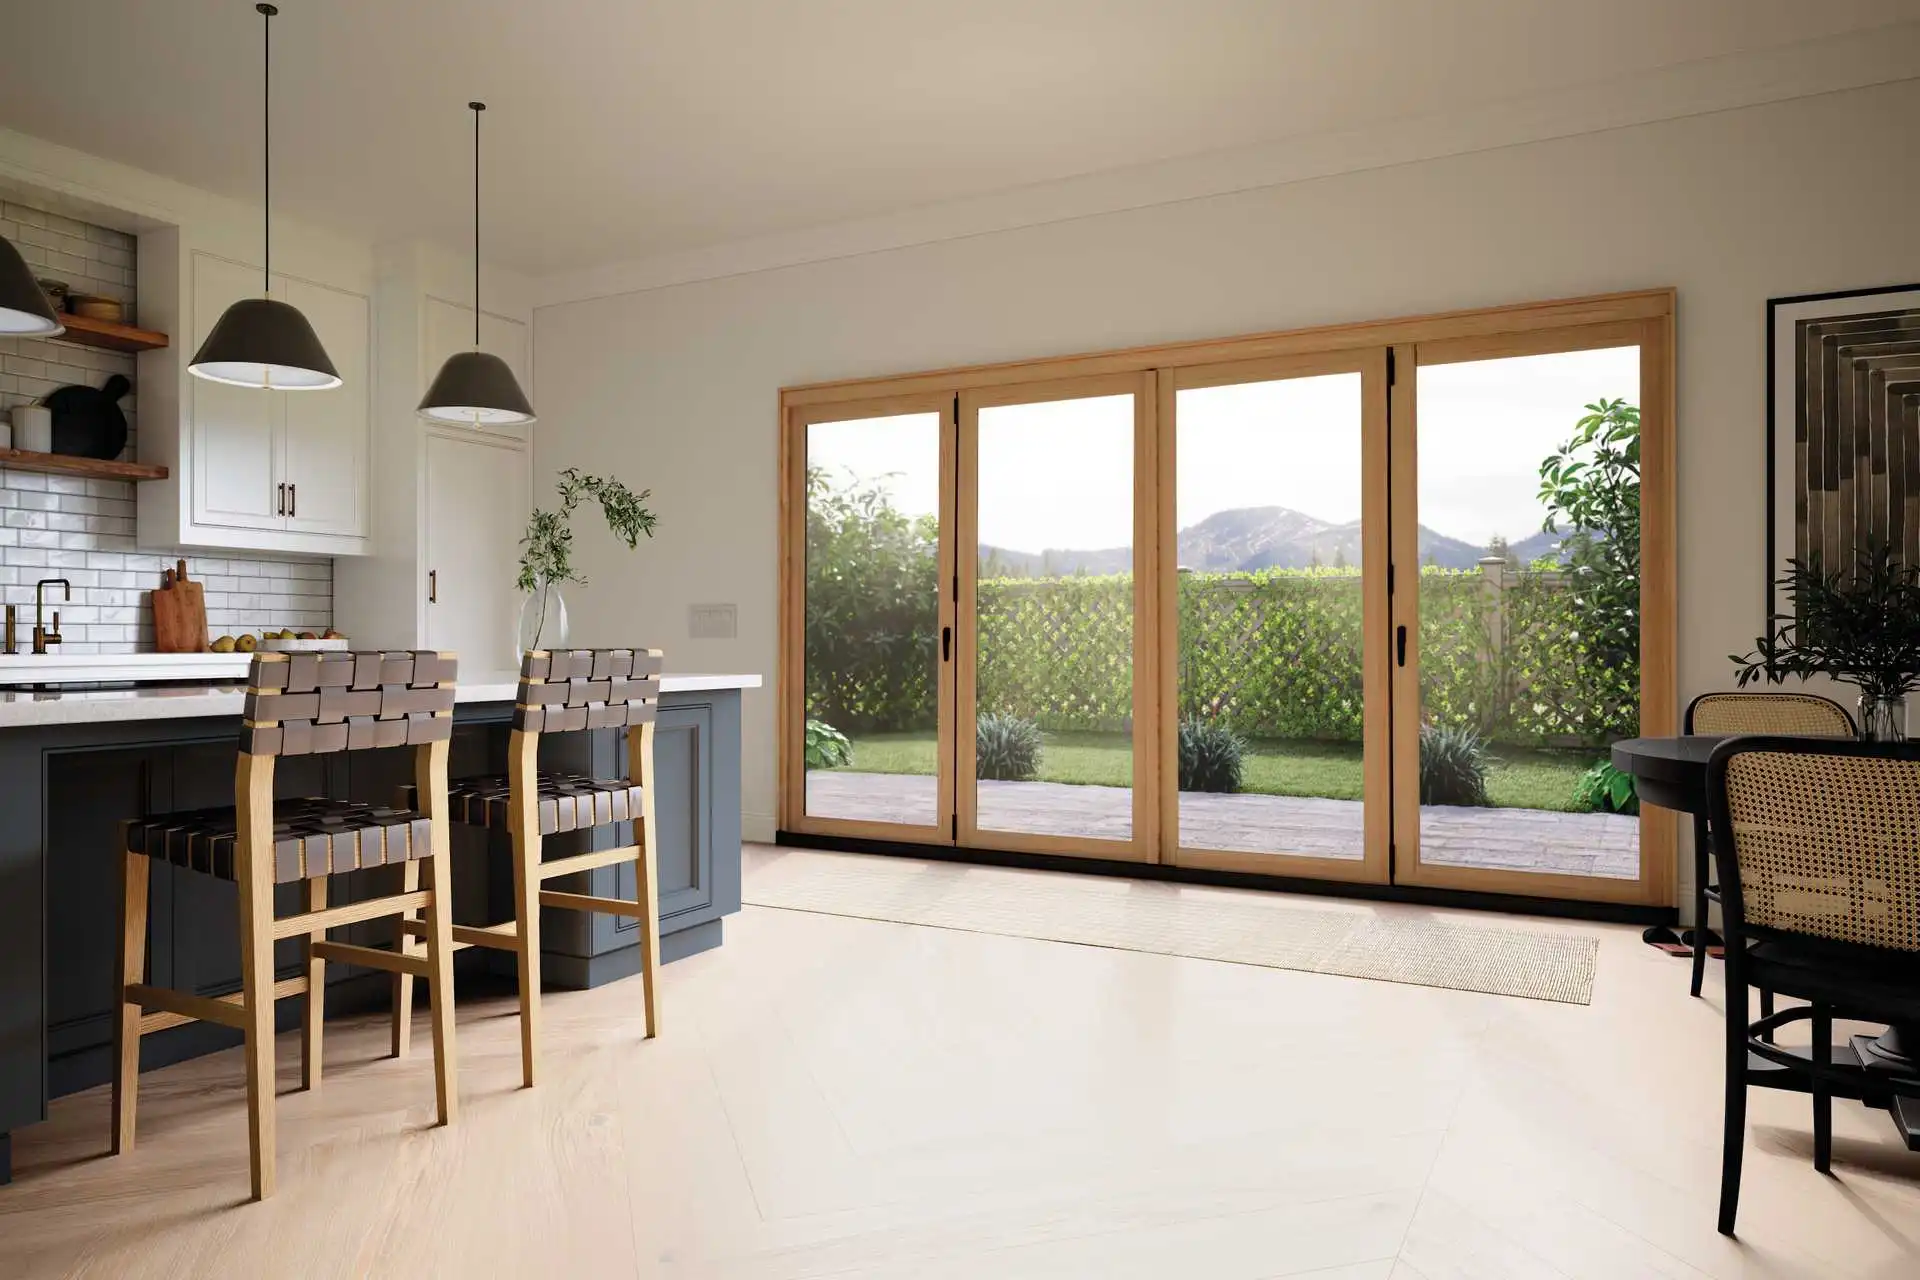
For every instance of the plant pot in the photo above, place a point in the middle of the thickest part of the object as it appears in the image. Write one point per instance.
(1882, 719)
(543, 619)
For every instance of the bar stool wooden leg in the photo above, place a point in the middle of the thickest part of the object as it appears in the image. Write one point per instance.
(253, 857)
(430, 776)
(403, 982)
(316, 1004)
(647, 871)
(133, 969)
(523, 783)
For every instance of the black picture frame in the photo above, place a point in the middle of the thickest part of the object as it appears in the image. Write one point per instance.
(1783, 314)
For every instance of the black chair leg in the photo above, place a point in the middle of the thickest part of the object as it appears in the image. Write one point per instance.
(1700, 847)
(1734, 1141)
(1822, 1096)
(1766, 1011)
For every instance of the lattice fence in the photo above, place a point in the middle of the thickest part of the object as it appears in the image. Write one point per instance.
(1274, 654)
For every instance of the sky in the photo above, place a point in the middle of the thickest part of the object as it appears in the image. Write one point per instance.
(1059, 474)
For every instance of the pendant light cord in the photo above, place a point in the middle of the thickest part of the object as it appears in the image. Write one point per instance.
(478, 107)
(266, 145)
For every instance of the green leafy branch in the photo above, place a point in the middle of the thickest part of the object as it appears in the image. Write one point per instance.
(547, 557)
(1862, 626)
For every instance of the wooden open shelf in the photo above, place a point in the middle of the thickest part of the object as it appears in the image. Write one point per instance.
(110, 335)
(92, 468)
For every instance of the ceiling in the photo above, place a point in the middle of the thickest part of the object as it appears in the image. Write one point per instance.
(621, 129)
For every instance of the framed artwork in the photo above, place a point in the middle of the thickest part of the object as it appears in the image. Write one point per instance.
(1843, 427)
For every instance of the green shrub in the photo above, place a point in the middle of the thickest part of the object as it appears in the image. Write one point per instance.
(1006, 748)
(1605, 789)
(1453, 765)
(827, 747)
(1209, 756)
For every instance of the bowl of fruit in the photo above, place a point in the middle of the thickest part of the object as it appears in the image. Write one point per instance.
(282, 642)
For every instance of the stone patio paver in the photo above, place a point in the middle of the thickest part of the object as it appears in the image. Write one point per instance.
(1587, 844)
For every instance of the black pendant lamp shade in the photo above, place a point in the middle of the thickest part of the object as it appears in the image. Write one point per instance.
(263, 342)
(24, 308)
(475, 388)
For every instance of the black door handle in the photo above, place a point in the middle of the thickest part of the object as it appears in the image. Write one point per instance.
(946, 644)
(1400, 642)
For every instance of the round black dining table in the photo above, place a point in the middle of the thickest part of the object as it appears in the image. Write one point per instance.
(1671, 773)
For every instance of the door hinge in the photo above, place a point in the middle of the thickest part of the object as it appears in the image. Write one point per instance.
(955, 828)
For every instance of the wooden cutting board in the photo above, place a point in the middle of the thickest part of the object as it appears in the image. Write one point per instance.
(179, 614)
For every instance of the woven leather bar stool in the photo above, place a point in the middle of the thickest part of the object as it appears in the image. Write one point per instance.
(562, 692)
(301, 704)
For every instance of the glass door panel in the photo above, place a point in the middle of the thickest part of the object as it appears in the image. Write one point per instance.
(875, 659)
(1527, 661)
(1051, 504)
(1277, 754)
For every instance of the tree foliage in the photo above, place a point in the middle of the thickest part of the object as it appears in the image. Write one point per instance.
(873, 609)
(1591, 489)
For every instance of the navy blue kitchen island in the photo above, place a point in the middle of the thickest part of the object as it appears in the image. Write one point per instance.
(75, 764)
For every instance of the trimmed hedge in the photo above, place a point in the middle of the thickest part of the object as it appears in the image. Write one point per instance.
(1273, 654)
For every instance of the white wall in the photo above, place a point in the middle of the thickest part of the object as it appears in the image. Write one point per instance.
(676, 388)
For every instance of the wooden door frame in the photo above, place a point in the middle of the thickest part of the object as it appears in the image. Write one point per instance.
(1143, 845)
(1370, 363)
(1659, 694)
(790, 693)
(1496, 329)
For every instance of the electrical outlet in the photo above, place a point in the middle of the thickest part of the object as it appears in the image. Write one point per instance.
(713, 621)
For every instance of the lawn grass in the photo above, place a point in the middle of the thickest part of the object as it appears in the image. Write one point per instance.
(1517, 777)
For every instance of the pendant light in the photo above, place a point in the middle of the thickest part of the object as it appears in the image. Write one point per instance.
(25, 311)
(263, 342)
(475, 388)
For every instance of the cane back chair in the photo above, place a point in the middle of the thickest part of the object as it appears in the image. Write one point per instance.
(1802, 715)
(1819, 852)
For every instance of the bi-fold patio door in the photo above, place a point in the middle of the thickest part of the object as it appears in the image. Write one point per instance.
(988, 588)
(977, 558)
(1031, 613)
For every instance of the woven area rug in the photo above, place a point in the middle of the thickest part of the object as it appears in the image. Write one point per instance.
(1235, 926)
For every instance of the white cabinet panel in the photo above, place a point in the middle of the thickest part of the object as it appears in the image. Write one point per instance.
(476, 510)
(325, 466)
(235, 431)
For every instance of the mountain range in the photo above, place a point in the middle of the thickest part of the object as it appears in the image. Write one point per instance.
(1249, 538)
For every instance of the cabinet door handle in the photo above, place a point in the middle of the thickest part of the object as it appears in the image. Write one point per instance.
(280, 508)
(293, 499)
(1401, 644)
(433, 586)
(946, 644)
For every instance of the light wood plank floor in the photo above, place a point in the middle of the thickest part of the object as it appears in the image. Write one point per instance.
(838, 1097)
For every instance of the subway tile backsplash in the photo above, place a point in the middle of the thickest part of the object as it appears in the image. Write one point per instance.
(83, 530)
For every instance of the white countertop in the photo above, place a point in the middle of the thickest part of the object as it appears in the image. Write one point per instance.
(27, 708)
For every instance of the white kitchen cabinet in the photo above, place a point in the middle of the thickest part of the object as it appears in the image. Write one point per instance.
(476, 505)
(236, 431)
(251, 468)
(324, 460)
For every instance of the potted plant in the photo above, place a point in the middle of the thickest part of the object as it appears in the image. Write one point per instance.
(1861, 627)
(547, 560)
